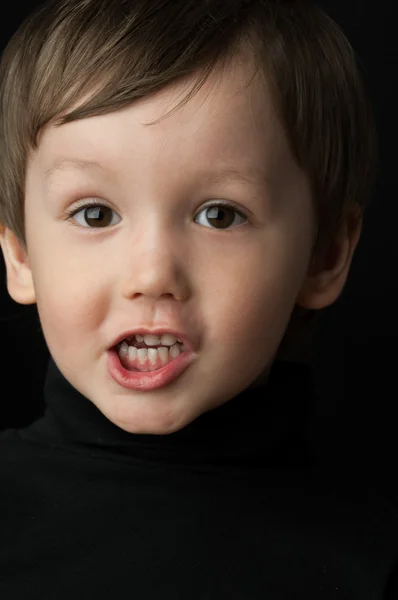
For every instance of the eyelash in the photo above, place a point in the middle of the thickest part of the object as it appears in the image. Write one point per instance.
(94, 203)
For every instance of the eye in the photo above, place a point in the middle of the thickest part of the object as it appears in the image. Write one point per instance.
(93, 215)
(221, 213)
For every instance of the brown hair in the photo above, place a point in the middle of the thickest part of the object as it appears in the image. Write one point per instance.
(112, 52)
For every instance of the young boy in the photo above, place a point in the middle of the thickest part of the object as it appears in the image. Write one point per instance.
(175, 457)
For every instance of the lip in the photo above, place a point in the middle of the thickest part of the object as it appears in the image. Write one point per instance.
(147, 380)
(189, 346)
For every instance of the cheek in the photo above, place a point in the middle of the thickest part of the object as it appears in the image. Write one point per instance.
(256, 302)
(260, 315)
(69, 303)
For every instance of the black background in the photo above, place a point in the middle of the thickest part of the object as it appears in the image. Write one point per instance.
(355, 346)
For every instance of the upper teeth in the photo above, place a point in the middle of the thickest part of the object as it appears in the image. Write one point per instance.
(154, 340)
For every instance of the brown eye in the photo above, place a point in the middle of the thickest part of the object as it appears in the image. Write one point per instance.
(98, 216)
(94, 216)
(221, 215)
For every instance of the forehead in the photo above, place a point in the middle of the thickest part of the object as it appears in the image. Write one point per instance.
(231, 119)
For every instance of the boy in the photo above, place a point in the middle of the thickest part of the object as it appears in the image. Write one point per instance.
(174, 459)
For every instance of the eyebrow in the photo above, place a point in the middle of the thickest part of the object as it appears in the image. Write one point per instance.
(251, 175)
(65, 164)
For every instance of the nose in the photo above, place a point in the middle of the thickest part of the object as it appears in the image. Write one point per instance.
(157, 268)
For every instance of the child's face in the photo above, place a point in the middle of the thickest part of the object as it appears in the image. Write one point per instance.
(161, 261)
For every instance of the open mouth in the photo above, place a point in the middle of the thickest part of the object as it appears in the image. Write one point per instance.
(137, 355)
(148, 368)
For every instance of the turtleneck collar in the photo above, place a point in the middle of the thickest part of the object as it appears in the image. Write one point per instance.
(264, 425)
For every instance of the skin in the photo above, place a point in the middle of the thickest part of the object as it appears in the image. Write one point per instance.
(161, 261)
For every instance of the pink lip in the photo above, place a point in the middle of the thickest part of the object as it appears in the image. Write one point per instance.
(143, 331)
(147, 380)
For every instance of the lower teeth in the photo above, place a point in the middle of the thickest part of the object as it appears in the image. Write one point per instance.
(147, 359)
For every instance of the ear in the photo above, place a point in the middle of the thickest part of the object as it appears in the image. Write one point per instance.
(327, 276)
(19, 276)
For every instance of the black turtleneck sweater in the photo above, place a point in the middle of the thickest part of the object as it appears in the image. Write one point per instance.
(238, 505)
